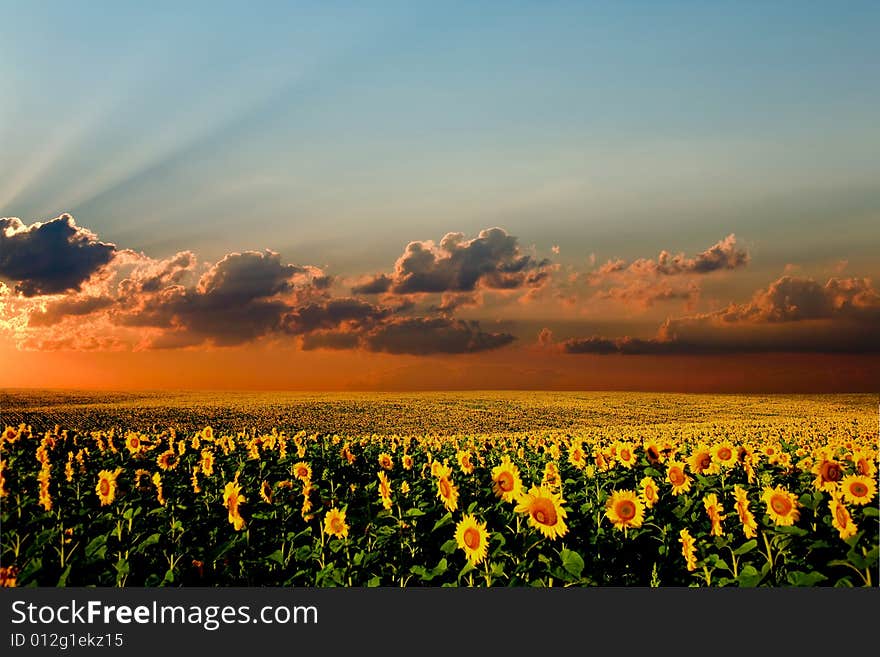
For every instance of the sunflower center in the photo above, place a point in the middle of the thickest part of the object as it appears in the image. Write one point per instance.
(625, 455)
(544, 512)
(472, 538)
(649, 492)
(653, 454)
(336, 525)
(626, 510)
(105, 487)
(676, 476)
(858, 489)
(704, 461)
(724, 454)
(444, 487)
(780, 505)
(831, 472)
(505, 482)
(842, 515)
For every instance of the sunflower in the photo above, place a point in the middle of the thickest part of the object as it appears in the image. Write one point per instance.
(624, 509)
(626, 455)
(725, 455)
(688, 549)
(551, 477)
(232, 500)
(133, 443)
(506, 483)
(828, 473)
(782, 506)
(700, 461)
(472, 537)
(45, 496)
(384, 490)
(648, 494)
(404, 488)
(334, 523)
(576, 456)
(601, 461)
(207, 462)
(464, 462)
(407, 462)
(106, 487)
(448, 492)
(168, 460)
(677, 477)
(746, 517)
(3, 491)
(307, 501)
(385, 461)
(439, 469)
(195, 480)
(208, 434)
(8, 575)
(545, 511)
(266, 492)
(302, 471)
(10, 435)
(864, 462)
(157, 482)
(858, 489)
(653, 451)
(841, 520)
(714, 511)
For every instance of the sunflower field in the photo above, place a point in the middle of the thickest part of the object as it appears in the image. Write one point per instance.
(703, 504)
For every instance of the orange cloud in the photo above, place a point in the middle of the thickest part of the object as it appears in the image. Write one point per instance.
(791, 315)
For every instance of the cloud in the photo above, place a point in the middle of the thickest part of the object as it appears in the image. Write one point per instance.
(373, 285)
(144, 303)
(241, 298)
(50, 257)
(57, 311)
(795, 315)
(492, 260)
(330, 313)
(420, 335)
(724, 254)
(643, 282)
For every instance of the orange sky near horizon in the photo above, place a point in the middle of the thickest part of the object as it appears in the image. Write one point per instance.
(250, 368)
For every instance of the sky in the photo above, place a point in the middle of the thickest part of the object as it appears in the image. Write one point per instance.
(609, 195)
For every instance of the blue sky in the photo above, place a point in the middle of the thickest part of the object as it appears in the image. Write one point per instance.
(336, 133)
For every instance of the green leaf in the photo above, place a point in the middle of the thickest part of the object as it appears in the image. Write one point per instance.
(97, 548)
(62, 581)
(746, 547)
(445, 520)
(799, 578)
(415, 513)
(572, 562)
(449, 546)
(152, 539)
(792, 531)
(277, 556)
(748, 576)
(871, 511)
(468, 568)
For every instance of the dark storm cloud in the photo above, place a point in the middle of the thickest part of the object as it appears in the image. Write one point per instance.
(50, 257)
